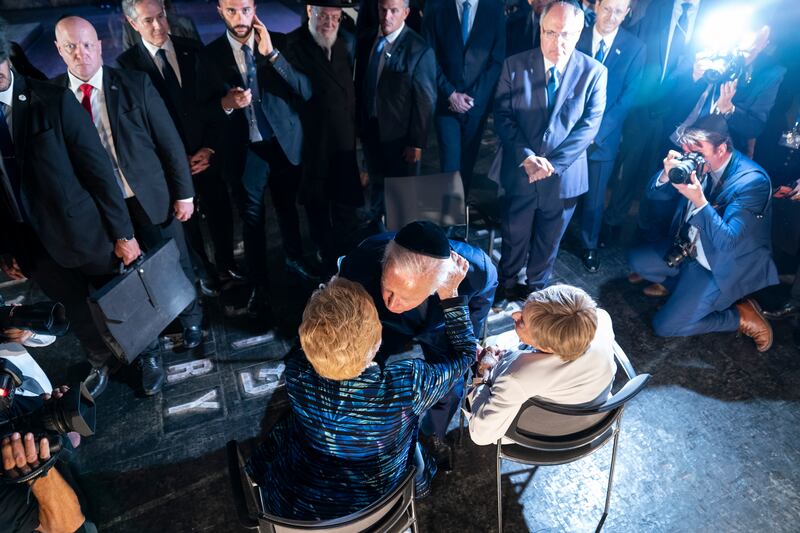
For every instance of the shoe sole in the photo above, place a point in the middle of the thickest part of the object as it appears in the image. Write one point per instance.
(757, 307)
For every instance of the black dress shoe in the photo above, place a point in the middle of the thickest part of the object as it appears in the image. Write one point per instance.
(192, 337)
(152, 373)
(590, 261)
(208, 288)
(258, 306)
(97, 381)
(231, 274)
(788, 310)
(443, 453)
(301, 269)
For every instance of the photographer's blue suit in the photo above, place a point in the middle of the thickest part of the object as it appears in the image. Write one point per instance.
(536, 214)
(736, 242)
(625, 62)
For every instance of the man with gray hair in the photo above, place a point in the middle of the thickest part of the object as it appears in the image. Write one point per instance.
(402, 271)
(330, 189)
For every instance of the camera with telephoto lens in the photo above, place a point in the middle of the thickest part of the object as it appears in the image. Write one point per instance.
(724, 68)
(678, 252)
(74, 411)
(686, 164)
(45, 318)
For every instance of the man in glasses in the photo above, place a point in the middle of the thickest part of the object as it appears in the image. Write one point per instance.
(548, 108)
(331, 189)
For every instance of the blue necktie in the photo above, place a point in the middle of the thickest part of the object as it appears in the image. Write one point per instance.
(9, 157)
(710, 97)
(601, 51)
(255, 104)
(590, 15)
(678, 43)
(465, 21)
(372, 75)
(552, 88)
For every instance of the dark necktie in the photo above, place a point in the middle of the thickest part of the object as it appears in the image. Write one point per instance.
(590, 15)
(255, 104)
(601, 51)
(10, 158)
(171, 80)
(710, 97)
(86, 101)
(552, 89)
(679, 34)
(372, 75)
(466, 8)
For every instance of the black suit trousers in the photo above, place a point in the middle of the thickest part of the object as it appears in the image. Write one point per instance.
(213, 202)
(150, 235)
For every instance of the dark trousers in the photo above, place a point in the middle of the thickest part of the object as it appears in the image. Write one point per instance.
(532, 227)
(335, 228)
(642, 136)
(690, 309)
(593, 202)
(214, 204)
(150, 235)
(266, 166)
(71, 287)
(459, 142)
(384, 160)
(437, 418)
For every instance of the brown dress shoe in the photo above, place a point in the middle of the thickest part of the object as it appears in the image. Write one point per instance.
(753, 324)
(635, 278)
(655, 290)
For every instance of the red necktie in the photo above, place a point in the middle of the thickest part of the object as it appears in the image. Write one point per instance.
(86, 102)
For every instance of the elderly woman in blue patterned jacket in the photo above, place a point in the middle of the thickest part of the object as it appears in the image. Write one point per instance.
(352, 430)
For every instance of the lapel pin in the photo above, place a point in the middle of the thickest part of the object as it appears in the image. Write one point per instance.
(22, 97)
(617, 51)
(113, 87)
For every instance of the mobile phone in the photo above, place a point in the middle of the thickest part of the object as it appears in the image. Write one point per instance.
(782, 192)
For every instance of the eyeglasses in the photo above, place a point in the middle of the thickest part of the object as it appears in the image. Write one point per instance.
(553, 35)
(618, 13)
(324, 17)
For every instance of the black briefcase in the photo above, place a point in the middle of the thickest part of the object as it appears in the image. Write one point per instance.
(135, 307)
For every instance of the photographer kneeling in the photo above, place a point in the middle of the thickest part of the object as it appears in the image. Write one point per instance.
(718, 248)
(54, 506)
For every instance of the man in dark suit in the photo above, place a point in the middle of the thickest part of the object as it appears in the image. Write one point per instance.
(331, 189)
(744, 102)
(623, 55)
(256, 95)
(147, 157)
(396, 90)
(670, 30)
(402, 271)
(469, 39)
(548, 109)
(63, 220)
(368, 17)
(522, 27)
(724, 218)
(171, 63)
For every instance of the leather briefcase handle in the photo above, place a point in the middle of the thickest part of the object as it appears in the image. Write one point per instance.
(134, 264)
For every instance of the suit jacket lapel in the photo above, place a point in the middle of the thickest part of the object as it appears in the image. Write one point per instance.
(185, 66)
(616, 49)
(229, 60)
(481, 20)
(453, 26)
(397, 50)
(149, 65)
(19, 118)
(539, 81)
(585, 41)
(111, 93)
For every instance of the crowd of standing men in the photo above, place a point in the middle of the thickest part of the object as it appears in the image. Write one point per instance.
(104, 162)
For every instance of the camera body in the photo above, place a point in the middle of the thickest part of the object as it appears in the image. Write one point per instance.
(687, 163)
(45, 318)
(679, 252)
(724, 68)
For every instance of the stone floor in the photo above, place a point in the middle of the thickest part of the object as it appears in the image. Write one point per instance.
(713, 443)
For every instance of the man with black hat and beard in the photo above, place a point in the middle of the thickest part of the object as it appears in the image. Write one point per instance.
(402, 272)
(331, 189)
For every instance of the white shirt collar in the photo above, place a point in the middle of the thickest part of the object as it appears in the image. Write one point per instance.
(608, 39)
(95, 81)
(560, 68)
(392, 37)
(167, 46)
(8, 95)
(236, 45)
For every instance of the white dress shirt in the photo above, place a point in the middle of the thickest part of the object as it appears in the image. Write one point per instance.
(6, 97)
(608, 39)
(172, 57)
(523, 375)
(101, 122)
(473, 7)
(238, 55)
(691, 16)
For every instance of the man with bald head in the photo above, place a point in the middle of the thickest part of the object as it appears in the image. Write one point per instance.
(63, 221)
(548, 107)
(148, 160)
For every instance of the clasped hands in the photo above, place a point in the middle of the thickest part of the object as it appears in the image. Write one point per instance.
(537, 168)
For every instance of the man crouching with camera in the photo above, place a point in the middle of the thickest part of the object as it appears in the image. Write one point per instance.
(717, 251)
